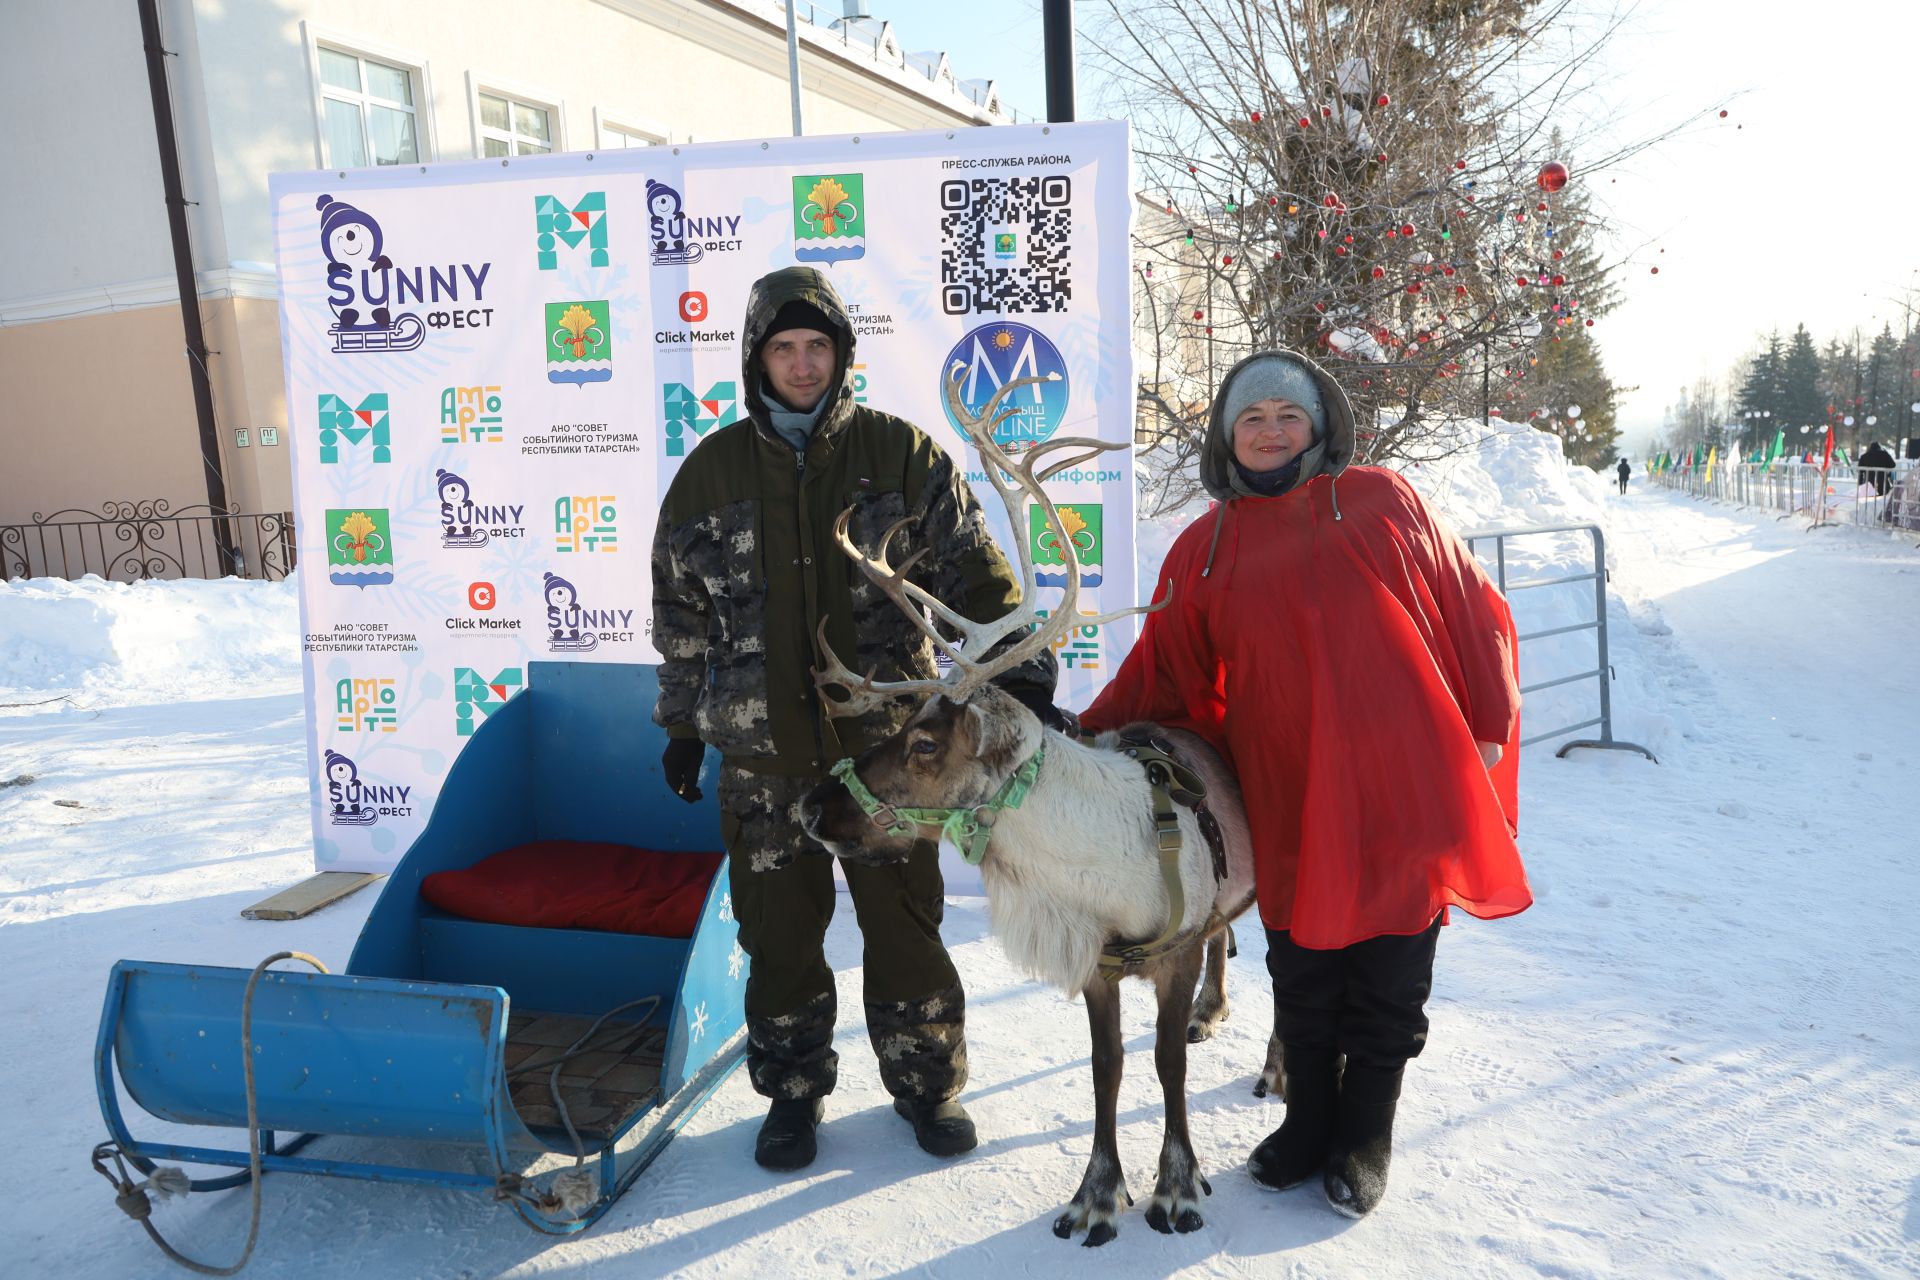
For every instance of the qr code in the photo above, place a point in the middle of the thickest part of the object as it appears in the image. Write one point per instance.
(1003, 244)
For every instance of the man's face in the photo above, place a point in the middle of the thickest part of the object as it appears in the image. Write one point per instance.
(799, 364)
(1270, 434)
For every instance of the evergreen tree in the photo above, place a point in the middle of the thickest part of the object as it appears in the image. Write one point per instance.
(1570, 372)
(1762, 392)
(1882, 374)
(1802, 403)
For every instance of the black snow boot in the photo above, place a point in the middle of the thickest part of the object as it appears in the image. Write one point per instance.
(1356, 1176)
(941, 1128)
(786, 1140)
(1298, 1148)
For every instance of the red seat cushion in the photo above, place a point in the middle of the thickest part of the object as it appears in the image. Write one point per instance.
(579, 884)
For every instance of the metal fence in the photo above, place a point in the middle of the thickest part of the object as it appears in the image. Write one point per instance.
(1602, 672)
(1884, 498)
(135, 541)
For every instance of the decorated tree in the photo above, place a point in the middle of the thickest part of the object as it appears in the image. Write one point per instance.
(1376, 183)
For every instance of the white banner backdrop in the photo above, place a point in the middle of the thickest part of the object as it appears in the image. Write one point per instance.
(494, 367)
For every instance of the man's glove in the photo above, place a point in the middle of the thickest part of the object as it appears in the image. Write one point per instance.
(1041, 705)
(680, 762)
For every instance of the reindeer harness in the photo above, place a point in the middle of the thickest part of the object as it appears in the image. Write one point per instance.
(970, 828)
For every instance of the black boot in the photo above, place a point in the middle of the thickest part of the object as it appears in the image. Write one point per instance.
(786, 1140)
(1356, 1176)
(1295, 1151)
(941, 1128)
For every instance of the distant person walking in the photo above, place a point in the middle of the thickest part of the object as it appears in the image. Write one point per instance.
(1624, 470)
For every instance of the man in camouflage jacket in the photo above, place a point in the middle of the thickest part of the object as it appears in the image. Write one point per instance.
(744, 569)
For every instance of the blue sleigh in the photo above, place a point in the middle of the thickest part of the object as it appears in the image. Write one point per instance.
(440, 1029)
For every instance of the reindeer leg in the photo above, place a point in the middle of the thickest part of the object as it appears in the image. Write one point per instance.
(1272, 1077)
(1210, 1009)
(1176, 1198)
(1096, 1205)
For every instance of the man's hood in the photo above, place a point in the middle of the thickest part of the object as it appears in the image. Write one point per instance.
(1327, 456)
(772, 292)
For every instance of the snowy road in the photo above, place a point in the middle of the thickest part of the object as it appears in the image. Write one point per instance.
(1697, 1055)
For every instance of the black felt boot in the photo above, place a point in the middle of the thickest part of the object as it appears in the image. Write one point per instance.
(1298, 1148)
(941, 1128)
(786, 1140)
(1356, 1176)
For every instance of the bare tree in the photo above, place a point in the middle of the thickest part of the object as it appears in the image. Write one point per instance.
(1363, 181)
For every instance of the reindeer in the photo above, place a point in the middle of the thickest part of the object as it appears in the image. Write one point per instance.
(1092, 871)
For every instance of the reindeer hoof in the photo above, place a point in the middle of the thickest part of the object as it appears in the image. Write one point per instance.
(1260, 1088)
(1185, 1220)
(1063, 1225)
(1098, 1234)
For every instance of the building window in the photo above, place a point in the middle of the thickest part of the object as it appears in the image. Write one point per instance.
(510, 127)
(617, 137)
(367, 111)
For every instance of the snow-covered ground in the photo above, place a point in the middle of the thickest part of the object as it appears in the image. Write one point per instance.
(1697, 1055)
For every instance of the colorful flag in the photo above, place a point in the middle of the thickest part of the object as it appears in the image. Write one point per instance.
(1712, 456)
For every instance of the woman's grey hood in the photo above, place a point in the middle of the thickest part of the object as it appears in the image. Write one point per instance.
(1327, 456)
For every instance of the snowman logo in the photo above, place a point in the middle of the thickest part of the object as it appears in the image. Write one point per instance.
(457, 513)
(564, 618)
(669, 226)
(345, 792)
(358, 277)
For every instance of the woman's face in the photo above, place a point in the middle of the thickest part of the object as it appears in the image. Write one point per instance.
(1269, 434)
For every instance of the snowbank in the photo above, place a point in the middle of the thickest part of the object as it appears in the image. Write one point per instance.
(118, 642)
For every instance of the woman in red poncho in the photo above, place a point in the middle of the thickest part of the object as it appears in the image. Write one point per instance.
(1343, 648)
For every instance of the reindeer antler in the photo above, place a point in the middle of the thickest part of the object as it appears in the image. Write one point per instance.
(1010, 479)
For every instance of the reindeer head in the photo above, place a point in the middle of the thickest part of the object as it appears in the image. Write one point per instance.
(968, 739)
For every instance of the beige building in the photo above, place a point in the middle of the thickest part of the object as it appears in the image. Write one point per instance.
(98, 406)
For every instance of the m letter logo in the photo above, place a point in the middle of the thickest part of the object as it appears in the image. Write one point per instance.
(480, 595)
(363, 423)
(693, 306)
(559, 224)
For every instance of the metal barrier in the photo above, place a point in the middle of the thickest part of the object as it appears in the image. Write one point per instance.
(1603, 672)
(134, 541)
(1881, 498)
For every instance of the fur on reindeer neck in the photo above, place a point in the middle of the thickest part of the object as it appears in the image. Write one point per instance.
(1065, 872)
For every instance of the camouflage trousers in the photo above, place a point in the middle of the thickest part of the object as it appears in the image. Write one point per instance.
(783, 898)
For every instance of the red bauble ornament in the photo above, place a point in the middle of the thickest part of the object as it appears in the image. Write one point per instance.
(1406, 229)
(1414, 287)
(1519, 217)
(1226, 260)
(1305, 123)
(1557, 255)
(1378, 272)
(1383, 100)
(1557, 280)
(1723, 115)
(1198, 315)
(1541, 207)
(1256, 117)
(1326, 112)
(1272, 201)
(1589, 324)
(1459, 164)
(1446, 271)
(1656, 271)
(1553, 176)
(1522, 281)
